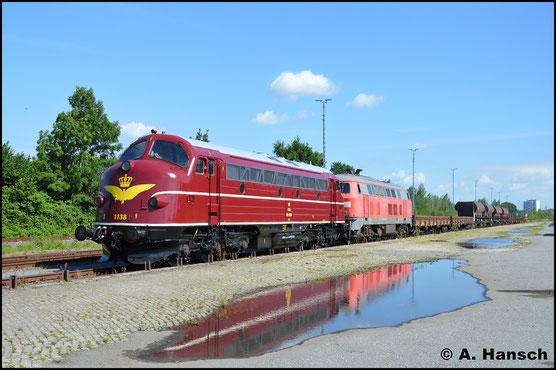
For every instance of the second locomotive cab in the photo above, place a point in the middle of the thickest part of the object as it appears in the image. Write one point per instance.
(169, 197)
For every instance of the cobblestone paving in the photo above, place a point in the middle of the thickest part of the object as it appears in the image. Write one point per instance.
(44, 322)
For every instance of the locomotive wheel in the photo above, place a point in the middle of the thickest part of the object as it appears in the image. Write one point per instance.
(204, 257)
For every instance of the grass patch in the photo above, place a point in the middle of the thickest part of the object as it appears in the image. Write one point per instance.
(42, 244)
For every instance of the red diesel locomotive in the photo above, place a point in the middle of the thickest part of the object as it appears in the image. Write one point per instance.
(173, 197)
(374, 208)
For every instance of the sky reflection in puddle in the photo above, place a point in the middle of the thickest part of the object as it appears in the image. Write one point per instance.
(487, 243)
(518, 233)
(387, 296)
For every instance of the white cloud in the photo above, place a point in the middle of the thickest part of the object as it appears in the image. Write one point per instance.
(518, 186)
(268, 118)
(291, 85)
(485, 180)
(419, 146)
(408, 179)
(532, 172)
(420, 178)
(302, 115)
(134, 130)
(364, 100)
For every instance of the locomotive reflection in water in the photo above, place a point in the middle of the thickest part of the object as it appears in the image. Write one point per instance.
(258, 324)
(388, 296)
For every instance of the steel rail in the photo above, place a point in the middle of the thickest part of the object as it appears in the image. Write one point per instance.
(31, 260)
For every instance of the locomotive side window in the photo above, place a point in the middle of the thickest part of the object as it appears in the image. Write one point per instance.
(134, 152)
(268, 177)
(398, 193)
(256, 175)
(358, 189)
(232, 172)
(279, 178)
(380, 191)
(365, 189)
(323, 185)
(244, 173)
(344, 186)
(201, 165)
(170, 152)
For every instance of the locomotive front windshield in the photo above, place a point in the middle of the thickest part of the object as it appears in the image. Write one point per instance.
(170, 152)
(134, 151)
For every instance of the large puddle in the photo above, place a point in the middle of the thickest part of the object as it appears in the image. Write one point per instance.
(518, 233)
(487, 243)
(388, 296)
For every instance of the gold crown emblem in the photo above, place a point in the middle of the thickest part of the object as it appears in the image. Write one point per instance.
(125, 181)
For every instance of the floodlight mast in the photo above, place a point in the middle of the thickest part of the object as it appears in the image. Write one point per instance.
(413, 186)
(323, 131)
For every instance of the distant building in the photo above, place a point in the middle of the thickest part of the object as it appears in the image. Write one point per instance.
(530, 205)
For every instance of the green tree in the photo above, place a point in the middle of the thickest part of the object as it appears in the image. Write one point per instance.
(201, 136)
(16, 166)
(27, 211)
(82, 143)
(298, 151)
(512, 208)
(535, 215)
(339, 167)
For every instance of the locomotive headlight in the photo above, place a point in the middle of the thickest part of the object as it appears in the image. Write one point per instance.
(126, 166)
(99, 200)
(159, 201)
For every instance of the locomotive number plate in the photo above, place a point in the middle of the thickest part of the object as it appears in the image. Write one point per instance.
(120, 216)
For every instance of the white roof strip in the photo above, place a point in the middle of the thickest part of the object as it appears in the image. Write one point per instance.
(257, 156)
(352, 177)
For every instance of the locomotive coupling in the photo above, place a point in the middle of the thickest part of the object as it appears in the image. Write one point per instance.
(132, 235)
(82, 233)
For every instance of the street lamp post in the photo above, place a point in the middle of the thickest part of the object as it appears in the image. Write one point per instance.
(413, 186)
(323, 132)
(491, 199)
(453, 199)
(475, 189)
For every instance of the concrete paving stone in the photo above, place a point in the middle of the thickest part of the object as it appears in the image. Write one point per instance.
(89, 310)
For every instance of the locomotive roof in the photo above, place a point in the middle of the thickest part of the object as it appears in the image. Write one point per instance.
(257, 156)
(352, 177)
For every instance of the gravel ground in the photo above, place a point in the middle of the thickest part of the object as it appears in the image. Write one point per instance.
(43, 323)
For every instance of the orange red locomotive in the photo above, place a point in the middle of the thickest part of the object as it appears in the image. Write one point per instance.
(168, 196)
(375, 208)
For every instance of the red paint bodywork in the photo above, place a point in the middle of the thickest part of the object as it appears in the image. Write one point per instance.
(195, 200)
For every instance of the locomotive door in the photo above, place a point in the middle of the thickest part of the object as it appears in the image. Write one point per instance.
(213, 174)
(332, 200)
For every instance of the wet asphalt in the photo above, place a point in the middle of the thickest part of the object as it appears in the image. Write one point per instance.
(518, 317)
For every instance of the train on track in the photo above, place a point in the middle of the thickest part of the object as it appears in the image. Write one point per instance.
(169, 197)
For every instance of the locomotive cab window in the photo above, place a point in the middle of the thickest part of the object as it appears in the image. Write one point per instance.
(170, 152)
(134, 152)
(211, 167)
(344, 186)
(201, 165)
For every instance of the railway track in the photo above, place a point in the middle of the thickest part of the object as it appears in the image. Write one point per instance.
(30, 239)
(32, 260)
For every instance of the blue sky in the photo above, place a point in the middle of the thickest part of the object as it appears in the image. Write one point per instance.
(469, 84)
